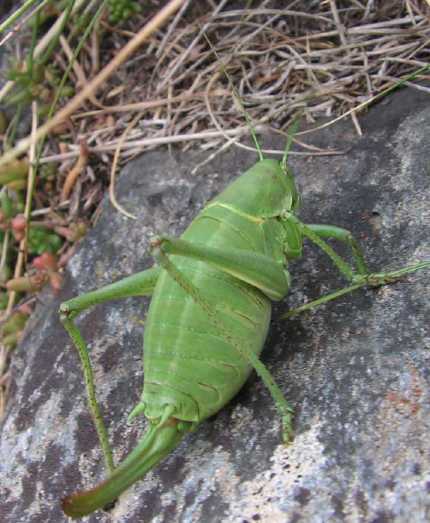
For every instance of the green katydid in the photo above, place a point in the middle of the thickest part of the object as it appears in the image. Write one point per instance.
(209, 314)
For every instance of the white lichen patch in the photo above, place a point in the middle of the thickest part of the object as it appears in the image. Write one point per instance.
(31, 442)
(271, 493)
(133, 498)
(29, 449)
(392, 454)
(206, 476)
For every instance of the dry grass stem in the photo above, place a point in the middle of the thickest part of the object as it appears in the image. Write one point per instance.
(328, 60)
(112, 195)
(131, 46)
(73, 174)
(22, 254)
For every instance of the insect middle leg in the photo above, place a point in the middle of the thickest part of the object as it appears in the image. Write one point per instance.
(140, 284)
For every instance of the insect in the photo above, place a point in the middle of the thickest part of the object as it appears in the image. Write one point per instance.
(209, 314)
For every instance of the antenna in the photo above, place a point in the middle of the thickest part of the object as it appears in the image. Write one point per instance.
(292, 129)
(238, 100)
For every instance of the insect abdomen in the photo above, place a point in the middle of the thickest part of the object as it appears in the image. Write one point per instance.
(186, 359)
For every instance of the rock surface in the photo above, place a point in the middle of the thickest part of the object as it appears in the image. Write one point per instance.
(356, 370)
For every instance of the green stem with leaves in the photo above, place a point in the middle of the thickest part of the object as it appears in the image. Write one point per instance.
(19, 12)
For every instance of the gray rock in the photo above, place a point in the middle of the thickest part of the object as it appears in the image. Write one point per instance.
(356, 370)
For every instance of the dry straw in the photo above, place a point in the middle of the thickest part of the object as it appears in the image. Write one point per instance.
(324, 58)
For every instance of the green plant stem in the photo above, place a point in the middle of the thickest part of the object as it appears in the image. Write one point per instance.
(370, 101)
(30, 57)
(10, 136)
(4, 249)
(42, 45)
(54, 42)
(60, 87)
(20, 11)
(65, 76)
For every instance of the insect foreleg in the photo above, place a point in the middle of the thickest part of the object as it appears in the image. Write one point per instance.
(345, 236)
(160, 246)
(139, 284)
(309, 233)
(374, 279)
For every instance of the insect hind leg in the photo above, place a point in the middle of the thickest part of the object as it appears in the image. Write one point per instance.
(139, 284)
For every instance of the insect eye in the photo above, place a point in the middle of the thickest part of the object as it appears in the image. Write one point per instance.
(296, 200)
